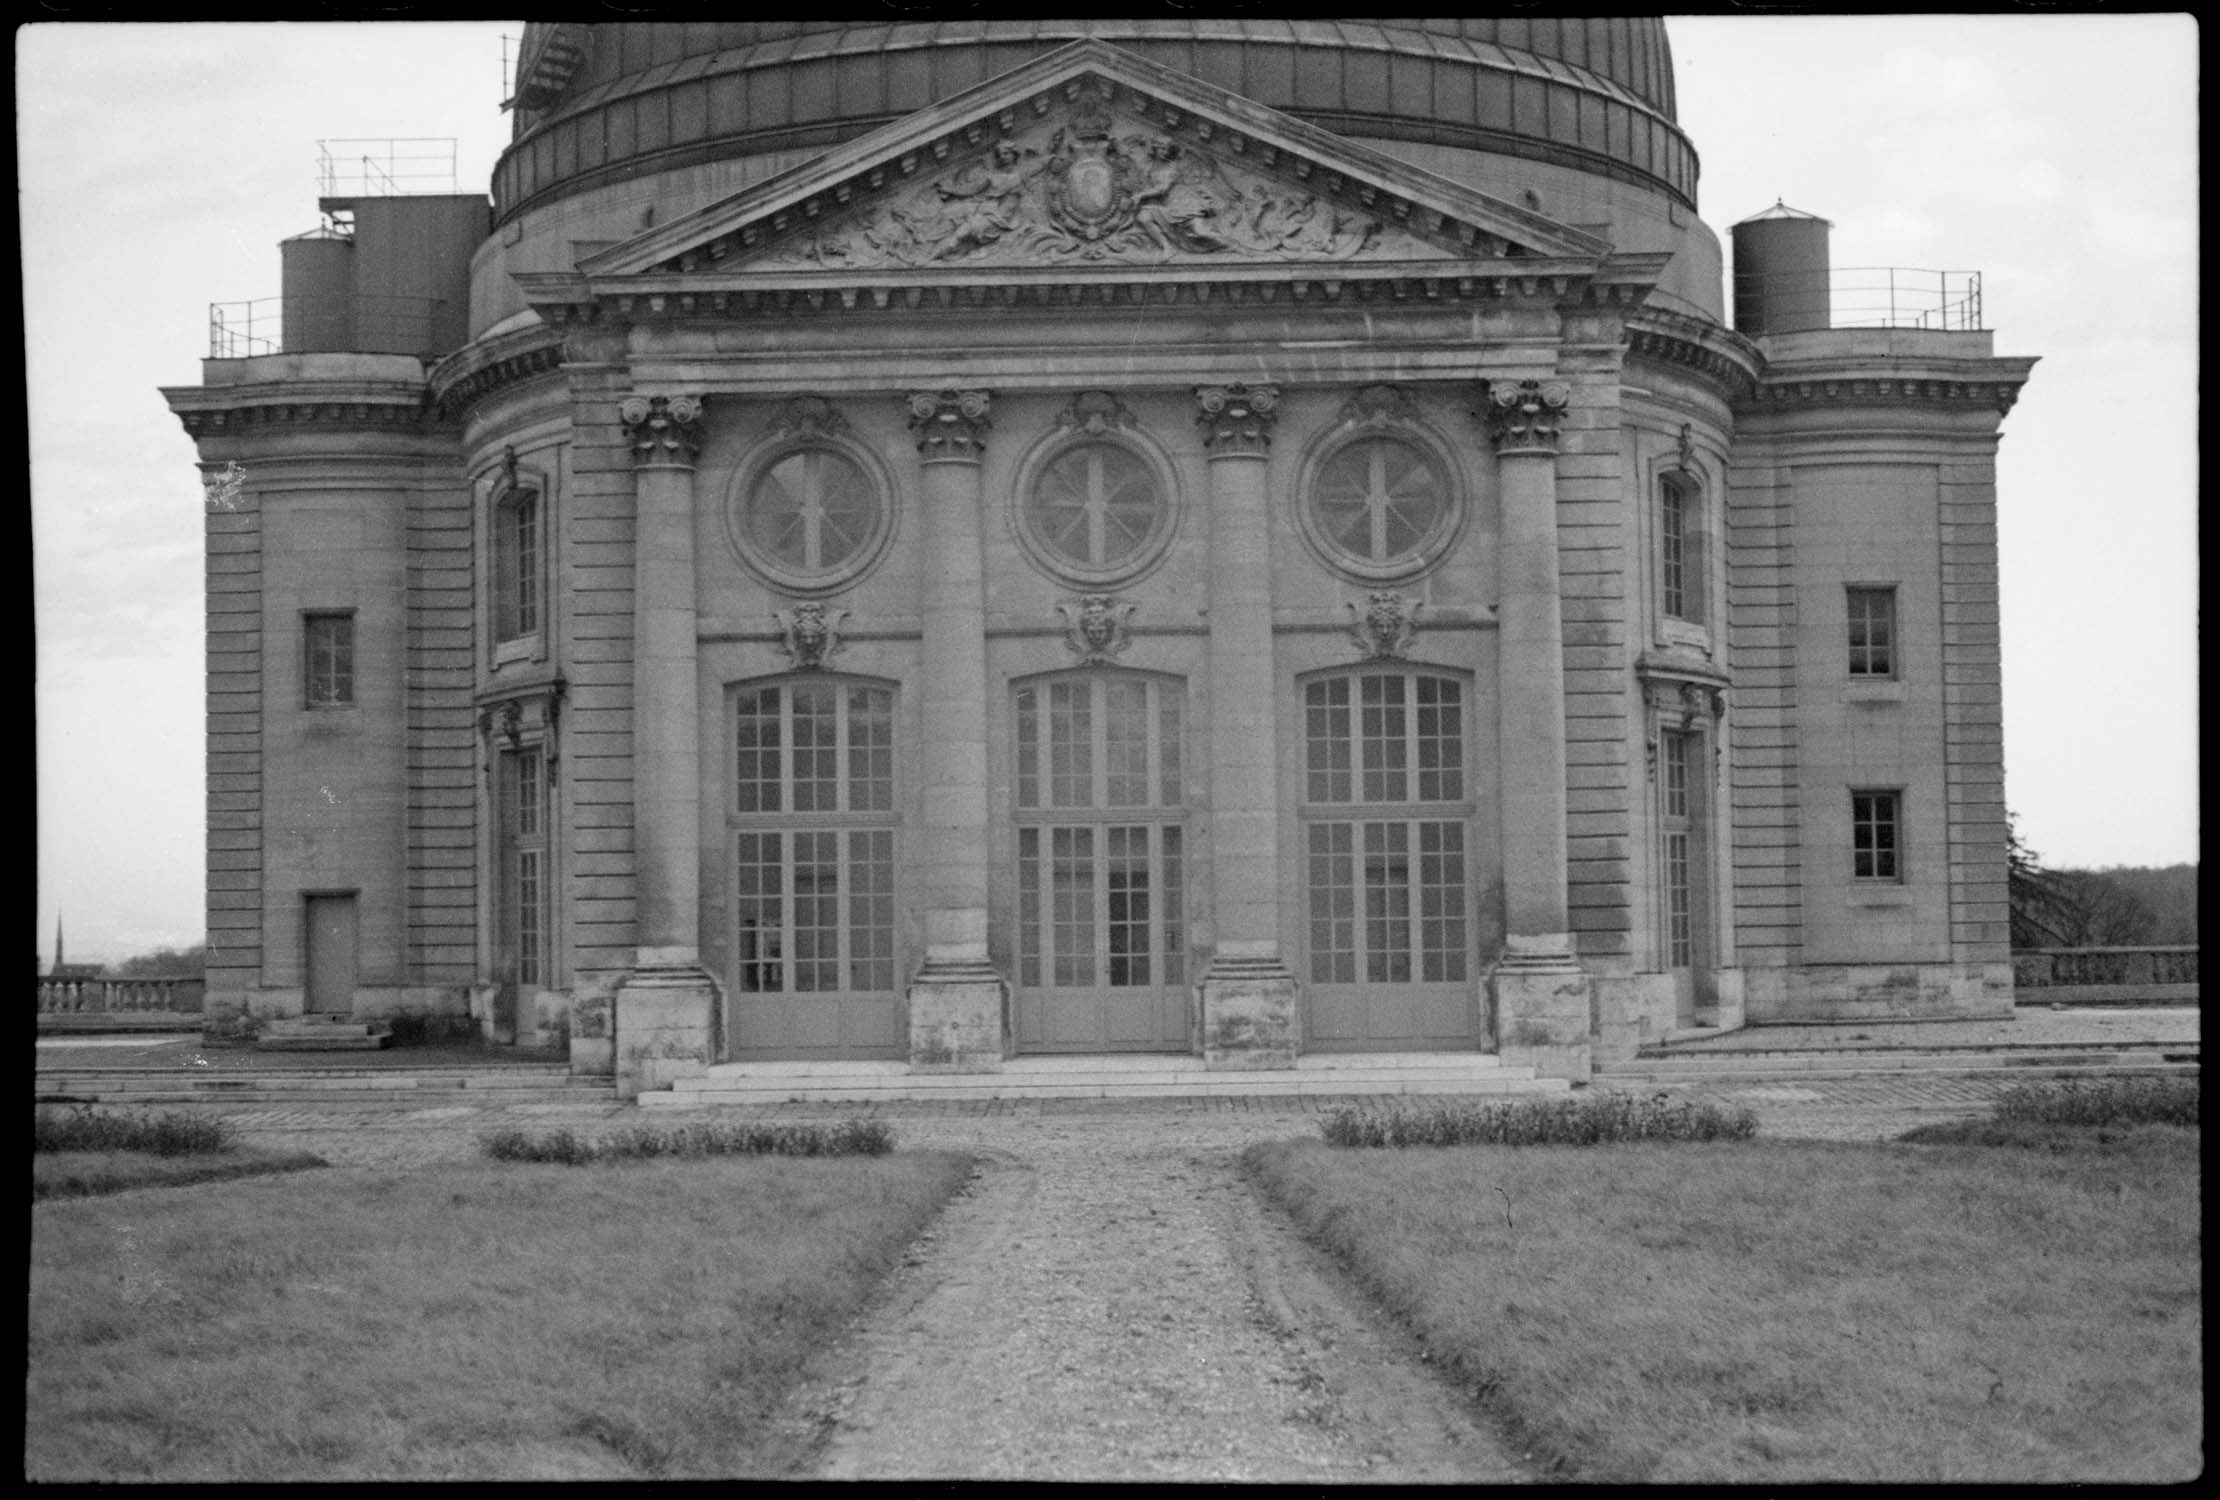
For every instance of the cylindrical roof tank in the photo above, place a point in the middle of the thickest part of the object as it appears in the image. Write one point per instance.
(319, 286)
(1781, 273)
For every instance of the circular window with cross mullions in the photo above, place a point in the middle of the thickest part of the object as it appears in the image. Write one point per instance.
(810, 518)
(1095, 512)
(1380, 506)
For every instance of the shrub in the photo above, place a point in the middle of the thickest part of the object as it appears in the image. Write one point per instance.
(85, 1129)
(2161, 1100)
(1591, 1120)
(418, 1030)
(697, 1139)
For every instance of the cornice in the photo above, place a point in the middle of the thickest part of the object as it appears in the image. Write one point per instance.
(474, 372)
(1730, 362)
(232, 409)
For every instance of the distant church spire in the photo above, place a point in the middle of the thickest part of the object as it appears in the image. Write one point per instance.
(57, 938)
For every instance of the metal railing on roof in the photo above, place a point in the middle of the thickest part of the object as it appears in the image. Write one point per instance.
(1877, 296)
(323, 325)
(385, 167)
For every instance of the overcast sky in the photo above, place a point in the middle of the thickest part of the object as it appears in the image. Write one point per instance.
(160, 165)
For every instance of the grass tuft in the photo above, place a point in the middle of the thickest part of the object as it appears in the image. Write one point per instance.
(694, 1140)
(1592, 1120)
(83, 1128)
(2161, 1100)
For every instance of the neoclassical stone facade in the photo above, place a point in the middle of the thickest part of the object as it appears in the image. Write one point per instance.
(1149, 544)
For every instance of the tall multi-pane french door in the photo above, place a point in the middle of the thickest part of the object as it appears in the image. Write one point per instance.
(1386, 809)
(1681, 859)
(520, 885)
(1101, 960)
(811, 822)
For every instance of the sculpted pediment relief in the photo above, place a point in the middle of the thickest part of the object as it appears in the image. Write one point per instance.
(1091, 157)
(1102, 187)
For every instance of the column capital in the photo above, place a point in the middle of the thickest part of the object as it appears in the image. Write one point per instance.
(1522, 417)
(1238, 418)
(664, 431)
(951, 425)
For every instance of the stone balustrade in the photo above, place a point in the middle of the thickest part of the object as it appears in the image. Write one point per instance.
(115, 995)
(2099, 976)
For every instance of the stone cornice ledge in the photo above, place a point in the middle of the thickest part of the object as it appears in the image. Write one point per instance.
(1719, 354)
(477, 370)
(346, 401)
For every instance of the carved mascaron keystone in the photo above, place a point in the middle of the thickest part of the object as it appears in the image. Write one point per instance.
(951, 425)
(809, 417)
(663, 430)
(1237, 419)
(1094, 412)
(1099, 629)
(1385, 624)
(807, 637)
(1523, 418)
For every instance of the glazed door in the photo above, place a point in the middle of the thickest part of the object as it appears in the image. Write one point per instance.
(1101, 875)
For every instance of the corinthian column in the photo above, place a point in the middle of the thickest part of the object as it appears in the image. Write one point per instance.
(957, 1001)
(1247, 992)
(666, 1022)
(1540, 991)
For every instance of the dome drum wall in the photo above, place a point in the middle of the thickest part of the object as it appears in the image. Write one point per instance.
(1593, 94)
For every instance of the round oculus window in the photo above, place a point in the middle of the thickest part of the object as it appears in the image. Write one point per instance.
(810, 515)
(1096, 509)
(1381, 504)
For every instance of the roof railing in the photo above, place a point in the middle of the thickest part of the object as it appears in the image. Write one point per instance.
(1880, 296)
(324, 325)
(385, 167)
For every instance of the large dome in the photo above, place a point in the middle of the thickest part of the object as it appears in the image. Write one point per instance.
(597, 104)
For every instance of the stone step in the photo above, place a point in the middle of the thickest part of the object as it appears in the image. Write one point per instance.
(1100, 1078)
(1845, 1064)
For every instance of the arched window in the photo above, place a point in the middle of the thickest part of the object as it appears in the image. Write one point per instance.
(1387, 799)
(1096, 512)
(812, 823)
(1382, 504)
(810, 517)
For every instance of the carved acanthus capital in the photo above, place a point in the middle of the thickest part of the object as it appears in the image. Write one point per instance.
(1522, 417)
(664, 431)
(1385, 624)
(1237, 419)
(1098, 629)
(807, 636)
(951, 425)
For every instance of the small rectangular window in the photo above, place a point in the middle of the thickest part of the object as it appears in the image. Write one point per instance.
(1680, 569)
(330, 659)
(1876, 836)
(1873, 631)
(516, 565)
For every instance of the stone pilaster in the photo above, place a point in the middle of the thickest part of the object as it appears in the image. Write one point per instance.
(959, 1006)
(1247, 994)
(1541, 994)
(667, 1006)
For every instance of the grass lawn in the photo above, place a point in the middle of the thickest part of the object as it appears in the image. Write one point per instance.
(1775, 1311)
(484, 1321)
(79, 1174)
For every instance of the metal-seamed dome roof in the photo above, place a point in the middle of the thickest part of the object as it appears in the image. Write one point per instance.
(600, 103)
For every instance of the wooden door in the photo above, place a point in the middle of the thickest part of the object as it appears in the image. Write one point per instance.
(332, 954)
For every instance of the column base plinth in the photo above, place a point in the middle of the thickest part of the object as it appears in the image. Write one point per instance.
(1542, 998)
(959, 1019)
(1249, 1019)
(666, 1026)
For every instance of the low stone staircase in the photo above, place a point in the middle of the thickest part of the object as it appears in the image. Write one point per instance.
(1108, 1077)
(1663, 1066)
(323, 1034)
(423, 1088)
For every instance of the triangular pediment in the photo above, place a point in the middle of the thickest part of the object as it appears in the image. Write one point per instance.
(1092, 159)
